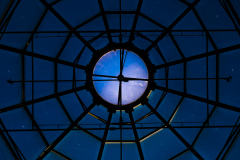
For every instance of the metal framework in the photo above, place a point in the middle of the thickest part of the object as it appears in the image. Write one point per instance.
(108, 33)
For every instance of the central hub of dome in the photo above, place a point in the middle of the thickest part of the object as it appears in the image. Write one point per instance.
(120, 77)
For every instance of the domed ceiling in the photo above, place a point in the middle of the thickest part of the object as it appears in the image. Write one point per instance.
(119, 79)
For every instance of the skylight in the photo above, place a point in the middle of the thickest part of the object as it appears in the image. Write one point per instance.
(106, 76)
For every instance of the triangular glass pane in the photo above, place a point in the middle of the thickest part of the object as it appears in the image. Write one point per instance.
(159, 9)
(162, 145)
(187, 155)
(76, 12)
(79, 144)
(30, 143)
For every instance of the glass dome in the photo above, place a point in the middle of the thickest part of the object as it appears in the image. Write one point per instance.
(49, 108)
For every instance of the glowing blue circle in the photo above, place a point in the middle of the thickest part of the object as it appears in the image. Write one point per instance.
(133, 67)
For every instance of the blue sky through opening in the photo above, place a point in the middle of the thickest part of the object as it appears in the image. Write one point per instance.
(134, 67)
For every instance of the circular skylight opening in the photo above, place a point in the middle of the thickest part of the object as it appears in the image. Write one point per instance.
(120, 86)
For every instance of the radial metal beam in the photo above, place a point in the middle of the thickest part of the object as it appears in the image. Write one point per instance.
(87, 21)
(36, 55)
(235, 14)
(37, 26)
(179, 154)
(98, 118)
(142, 36)
(143, 117)
(61, 155)
(161, 99)
(151, 113)
(131, 38)
(231, 144)
(205, 29)
(160, 53)
(60, 138)
(4, 24)
(41, 99)
(231, 48)
(104, 17)
(136, 136)
(153, 21)
(202, 25)
(15, 147)
(176, 45)
(229, 140)
(226, 106)
(84, 107)
(5, 13)
(183, 57)
(50, 8)
(174, 131)
(71, 121)
(105, 136)
(228, 79)
(175, 110)
(10, 148)
(228, 11)
(205, 125)
(167, 30)
(37, 127)
(64, 45)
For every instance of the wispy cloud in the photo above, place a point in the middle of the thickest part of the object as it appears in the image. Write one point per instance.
(131, 90)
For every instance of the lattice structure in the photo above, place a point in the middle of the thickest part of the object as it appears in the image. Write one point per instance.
(48, 109)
